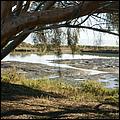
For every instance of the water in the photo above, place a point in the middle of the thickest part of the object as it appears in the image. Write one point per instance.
(48, 60)
(110, 81)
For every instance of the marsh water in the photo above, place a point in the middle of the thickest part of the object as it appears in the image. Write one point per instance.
(85, 65)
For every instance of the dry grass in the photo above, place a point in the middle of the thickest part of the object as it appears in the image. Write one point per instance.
(49, 99)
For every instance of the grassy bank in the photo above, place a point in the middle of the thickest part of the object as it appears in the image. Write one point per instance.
(43, 49)
(56, 97)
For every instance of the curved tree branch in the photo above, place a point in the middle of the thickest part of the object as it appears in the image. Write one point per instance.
(6, 8)
(18, 39)
(19, 7)
(14, 25)
(70, 26)
(48, 5)
(28, 20)
(11, 46)
(25, 7)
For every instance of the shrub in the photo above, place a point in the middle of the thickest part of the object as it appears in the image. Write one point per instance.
(97, 88)
(91, 86)
(11, 75)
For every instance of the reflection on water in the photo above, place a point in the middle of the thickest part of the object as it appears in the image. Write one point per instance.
(45, 59)
(48, 60)
(110, 80)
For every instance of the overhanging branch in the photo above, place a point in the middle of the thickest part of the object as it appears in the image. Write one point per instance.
(72, 26)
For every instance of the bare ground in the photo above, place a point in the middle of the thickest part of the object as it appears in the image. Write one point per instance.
(21, 102)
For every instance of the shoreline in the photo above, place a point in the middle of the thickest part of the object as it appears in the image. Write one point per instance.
(23, 101)
(37, 70)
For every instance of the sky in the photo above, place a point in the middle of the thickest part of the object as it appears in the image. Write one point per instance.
(89, 37)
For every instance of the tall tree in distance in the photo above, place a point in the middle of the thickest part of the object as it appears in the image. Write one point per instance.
(20, 18)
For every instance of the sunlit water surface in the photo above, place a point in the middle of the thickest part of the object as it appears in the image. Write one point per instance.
(48, 60)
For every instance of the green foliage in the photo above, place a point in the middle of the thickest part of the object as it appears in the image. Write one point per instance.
(96, 88)
(93, 87)
(57, 86)
(87, 91)
(90, 90)
(111, 100)
(11, 75)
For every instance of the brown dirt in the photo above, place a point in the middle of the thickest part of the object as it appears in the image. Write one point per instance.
(20, 102)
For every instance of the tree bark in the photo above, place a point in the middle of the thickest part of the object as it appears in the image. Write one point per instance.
(6, 8)
(19, 39)
(12, 25)
(28, 20)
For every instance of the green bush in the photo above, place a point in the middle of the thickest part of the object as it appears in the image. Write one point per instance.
(92, 86)
(97, 88)
(11, 75)
(90, 90)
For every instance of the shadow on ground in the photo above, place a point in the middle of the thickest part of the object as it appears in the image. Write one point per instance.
(12, 93)
(17, 92)
(82, 112)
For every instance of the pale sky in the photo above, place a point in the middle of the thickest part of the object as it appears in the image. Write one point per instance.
(88, 37)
